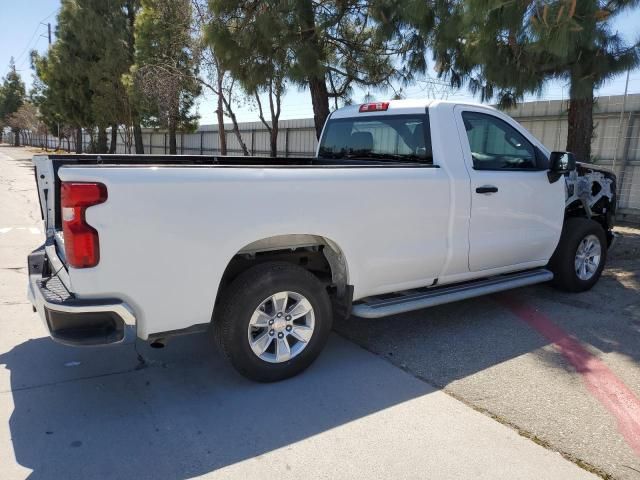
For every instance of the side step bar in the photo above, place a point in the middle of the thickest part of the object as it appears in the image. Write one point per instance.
(376, 307)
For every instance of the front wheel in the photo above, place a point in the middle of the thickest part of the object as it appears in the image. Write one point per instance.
(273, 321)
(580, 255)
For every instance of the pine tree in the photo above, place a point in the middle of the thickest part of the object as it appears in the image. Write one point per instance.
(165, 68)
(12, 96)
(81, 74)
(45, 94)
(131, 10)
(504, 50)
(215, 78)
(261, 66)
(68, 60)
(104, 36)
(331, 46)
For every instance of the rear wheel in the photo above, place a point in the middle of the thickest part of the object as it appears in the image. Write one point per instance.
(273, 321)
(580, 255)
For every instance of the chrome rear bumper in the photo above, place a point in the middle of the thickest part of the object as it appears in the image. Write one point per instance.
(71, 320)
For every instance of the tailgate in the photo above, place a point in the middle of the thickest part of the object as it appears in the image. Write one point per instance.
(45, 181)
(48, 186)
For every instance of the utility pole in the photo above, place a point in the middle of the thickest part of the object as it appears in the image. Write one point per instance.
(48, 36)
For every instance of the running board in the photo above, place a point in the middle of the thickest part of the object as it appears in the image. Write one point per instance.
(376, 307)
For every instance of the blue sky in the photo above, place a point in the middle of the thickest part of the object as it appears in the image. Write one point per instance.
(21, 32)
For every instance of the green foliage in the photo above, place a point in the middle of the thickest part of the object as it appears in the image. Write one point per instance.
(104, 39)
(165, 68)
(329, 46)
(65, 69)
(262, 67)
(41, 97)
(250, 49)
(505, 49)
(406, 25)
(12, 94)
(79, 81)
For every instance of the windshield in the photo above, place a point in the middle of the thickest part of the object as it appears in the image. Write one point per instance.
(400, 137)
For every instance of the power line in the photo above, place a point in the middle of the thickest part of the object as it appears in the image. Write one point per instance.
(33, 35)
(28, 44)
(21, 64)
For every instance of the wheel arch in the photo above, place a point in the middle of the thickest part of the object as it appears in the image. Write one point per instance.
(319, 254)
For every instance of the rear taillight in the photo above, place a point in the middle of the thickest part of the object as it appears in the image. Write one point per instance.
(81, 244)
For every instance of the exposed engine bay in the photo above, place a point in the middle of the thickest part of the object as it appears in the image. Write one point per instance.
(591, 192)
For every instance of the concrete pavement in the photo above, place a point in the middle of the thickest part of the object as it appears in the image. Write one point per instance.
(184, 413)
(503, 364)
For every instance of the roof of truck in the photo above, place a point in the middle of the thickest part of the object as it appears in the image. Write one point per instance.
(399, 107)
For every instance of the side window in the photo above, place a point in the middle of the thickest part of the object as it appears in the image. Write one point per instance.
(496, 145)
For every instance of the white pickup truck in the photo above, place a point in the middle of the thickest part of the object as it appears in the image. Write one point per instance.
(408, 204)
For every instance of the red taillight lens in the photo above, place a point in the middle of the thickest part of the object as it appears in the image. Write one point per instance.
(81, 244)
(374, 107)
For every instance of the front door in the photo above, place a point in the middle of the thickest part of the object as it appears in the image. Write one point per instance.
(516, 213)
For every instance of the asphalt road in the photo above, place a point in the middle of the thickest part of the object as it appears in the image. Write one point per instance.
(407, 408)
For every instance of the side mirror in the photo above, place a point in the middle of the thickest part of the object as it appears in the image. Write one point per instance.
(559, 164)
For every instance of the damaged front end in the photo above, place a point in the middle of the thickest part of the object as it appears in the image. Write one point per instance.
(591, 193)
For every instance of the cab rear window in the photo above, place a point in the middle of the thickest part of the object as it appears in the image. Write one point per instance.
(400, 137)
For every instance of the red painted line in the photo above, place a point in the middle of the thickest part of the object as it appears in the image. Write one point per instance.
(603, 384)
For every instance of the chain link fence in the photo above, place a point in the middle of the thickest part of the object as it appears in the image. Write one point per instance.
(616, 140)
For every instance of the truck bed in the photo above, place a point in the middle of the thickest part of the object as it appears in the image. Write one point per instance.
(219, 161)
(184, 221)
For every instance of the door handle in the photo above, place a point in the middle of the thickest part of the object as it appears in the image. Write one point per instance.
(487, 189)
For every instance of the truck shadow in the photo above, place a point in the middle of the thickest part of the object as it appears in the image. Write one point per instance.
(453, 342)
(94, 413)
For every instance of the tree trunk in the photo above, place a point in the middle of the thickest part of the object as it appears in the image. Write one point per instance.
(173, 144)
(101, 146)
(78, 140)
(131, 9)
(114, 139)
(137, 138)
(317, 83)
(220, 114)
(580, 119)
(92, 146)
(16, 138)
(236, 131)
(273, 140)
(320, 102)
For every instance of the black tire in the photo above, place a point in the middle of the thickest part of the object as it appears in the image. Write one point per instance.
(245, 294)
(562, 263)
